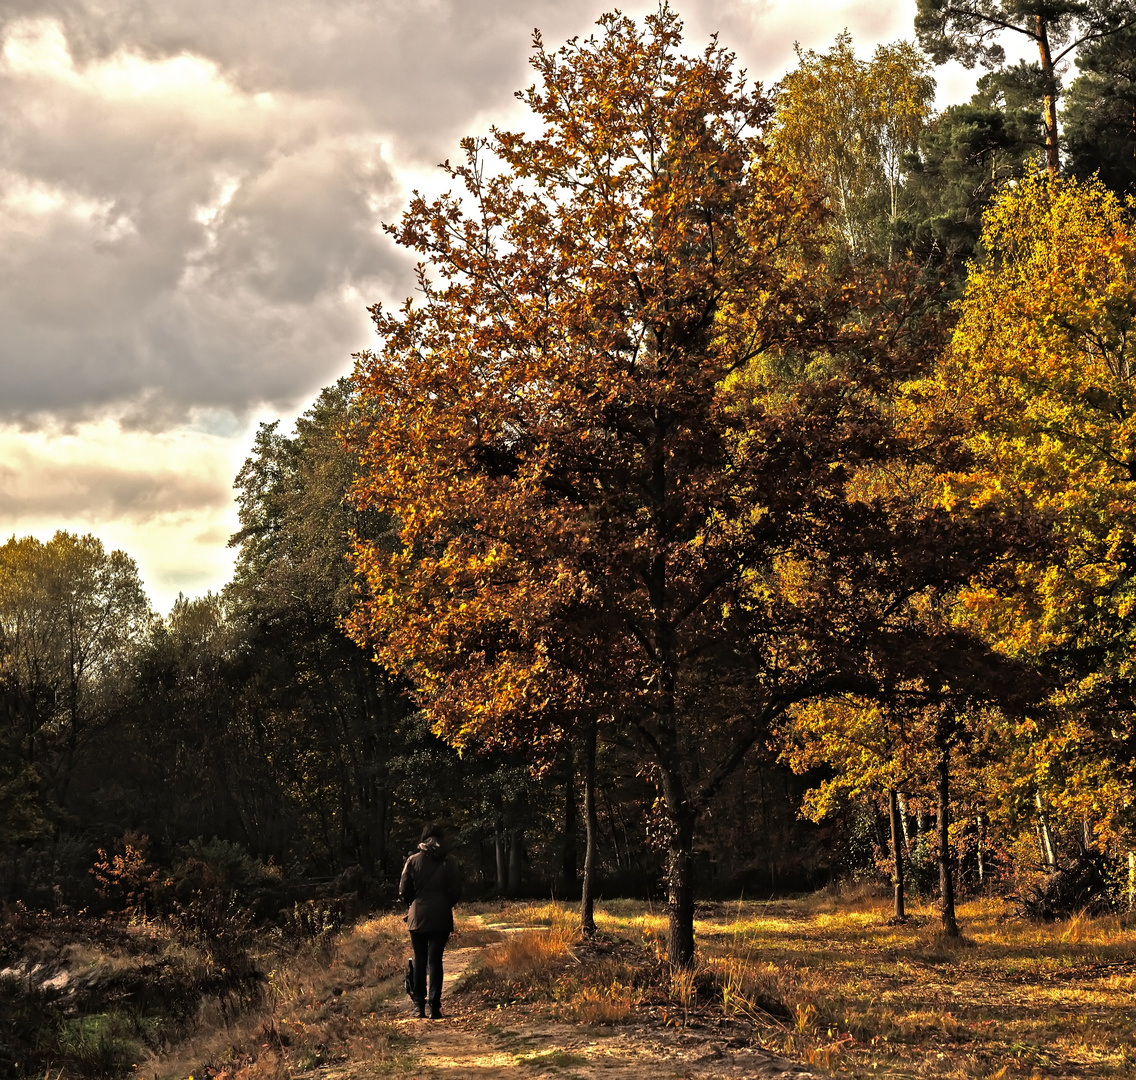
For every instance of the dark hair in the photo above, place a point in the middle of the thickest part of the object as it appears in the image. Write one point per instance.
(431, 830)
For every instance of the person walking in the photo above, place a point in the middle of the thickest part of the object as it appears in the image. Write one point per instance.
(431, 885)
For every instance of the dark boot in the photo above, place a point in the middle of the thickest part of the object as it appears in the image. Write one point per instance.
(435, 1012)
(420, 1009)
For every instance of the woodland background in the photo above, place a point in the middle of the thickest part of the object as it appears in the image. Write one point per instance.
(245, 746)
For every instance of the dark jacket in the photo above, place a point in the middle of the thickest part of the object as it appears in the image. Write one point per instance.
(431, 886)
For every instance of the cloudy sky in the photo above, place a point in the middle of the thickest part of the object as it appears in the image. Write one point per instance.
(191, 199)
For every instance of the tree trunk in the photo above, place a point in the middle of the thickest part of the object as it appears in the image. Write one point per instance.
(897, 854)
(903, 817)
(502, 863)
(591, 828)
(946, 880)
(374, 852)
(615, 825)
(568, 853)
(1049, 82)
(680, 893)
(980, 851)
(516, 861)
(879, 826)
(1047, 852)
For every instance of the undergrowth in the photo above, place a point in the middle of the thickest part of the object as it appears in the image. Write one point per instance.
(827, 980)
(322, 1008)
(85, 998)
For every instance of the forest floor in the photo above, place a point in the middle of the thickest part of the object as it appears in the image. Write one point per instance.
(823, 986)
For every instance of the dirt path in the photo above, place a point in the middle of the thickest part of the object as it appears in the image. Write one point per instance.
(470, 1043)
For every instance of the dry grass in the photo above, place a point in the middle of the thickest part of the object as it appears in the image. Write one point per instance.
(540, 961)
(530, 948)
(543, 942)
(320, 1010)
(864, 996)
(828, 980)
(599, 1003)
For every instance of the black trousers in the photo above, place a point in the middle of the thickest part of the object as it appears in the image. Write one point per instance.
(428, 949)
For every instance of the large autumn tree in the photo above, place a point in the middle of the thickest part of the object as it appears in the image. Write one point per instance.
(618, 430)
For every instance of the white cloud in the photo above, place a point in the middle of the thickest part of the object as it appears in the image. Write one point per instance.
(168, 235)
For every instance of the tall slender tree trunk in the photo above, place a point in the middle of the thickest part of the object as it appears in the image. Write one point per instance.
(591, 828)
(516, 861)
(502, 862)
(664, 738)
(681, 816)
(980, 850)
(1044, 835)
(1049, 84)
(896, 854)
(946, 878)
(680, 893)
(903, 817)
(374, 853)
(879, 825)
(615, 826)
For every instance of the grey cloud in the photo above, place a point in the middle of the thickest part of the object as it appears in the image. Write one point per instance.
(101, 491)
(136, 303)
(422, 67)
(304, 224)
(129, 287)
(140, 293)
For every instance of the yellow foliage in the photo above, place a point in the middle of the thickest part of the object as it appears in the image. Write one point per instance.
(1042, 364)
(848, 123)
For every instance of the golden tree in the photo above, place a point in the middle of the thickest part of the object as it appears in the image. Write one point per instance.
(865, 749)
(1042, 361)
(848, 123)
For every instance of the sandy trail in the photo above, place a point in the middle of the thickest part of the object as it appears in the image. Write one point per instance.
(475, 1044)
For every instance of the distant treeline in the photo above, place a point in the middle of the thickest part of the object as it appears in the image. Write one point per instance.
(249, 718)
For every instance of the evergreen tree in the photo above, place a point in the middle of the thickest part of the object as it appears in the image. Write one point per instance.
(1100, 113)
(970, 31)
(965, 155)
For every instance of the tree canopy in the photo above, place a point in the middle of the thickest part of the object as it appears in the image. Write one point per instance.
(1100, 112)
(849, 124)
(1042, 362)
